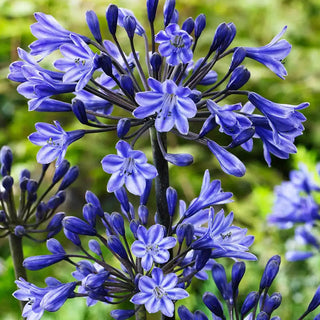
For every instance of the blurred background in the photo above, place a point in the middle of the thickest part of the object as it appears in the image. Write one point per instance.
(257, 23)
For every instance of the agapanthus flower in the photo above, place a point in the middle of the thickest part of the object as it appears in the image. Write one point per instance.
(169, 103)
(152, 246)
(175, 45)
(54, 141)
(158, 292)
(128, 167)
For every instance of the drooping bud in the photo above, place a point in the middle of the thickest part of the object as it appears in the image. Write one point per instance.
(79, 111)
(69, 178)
(105, 63)
(180, 159)
(123, 127)
(73, 237)
(242, 137)
(117, 247)
(188, 25)
(55, 247)
(239, 77)
(127, 84)
(202, 258)
(43, 261)
(93, 24)
(77, 226)
(199, 25)
(112, 18)
(60, 171)
(213, 304)
(94, 246)
(130, 23)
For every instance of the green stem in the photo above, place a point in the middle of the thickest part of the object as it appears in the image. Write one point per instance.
(162, 180)
(16, 251)
(140, 312)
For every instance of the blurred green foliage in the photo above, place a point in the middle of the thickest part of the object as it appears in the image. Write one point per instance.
(257, 22)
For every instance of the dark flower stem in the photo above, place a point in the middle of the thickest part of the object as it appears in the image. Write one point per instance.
(16, 251)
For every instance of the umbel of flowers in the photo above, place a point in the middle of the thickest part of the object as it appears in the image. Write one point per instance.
(163, 90)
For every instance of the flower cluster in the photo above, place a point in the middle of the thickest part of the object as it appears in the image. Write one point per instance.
(258, 305)
(156, 268)
(35, 206)
(163, 95)
(295, 203)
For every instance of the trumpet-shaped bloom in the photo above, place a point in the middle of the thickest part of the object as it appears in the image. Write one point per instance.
(53, 140)
(129, 167)
(169, 103)
(158, 292)
(175, 45)
(152, 246)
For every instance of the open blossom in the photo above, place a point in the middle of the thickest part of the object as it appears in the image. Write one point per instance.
(169, 103)
(158, 292)
(128, 167)
(152, 246)
(175, 45)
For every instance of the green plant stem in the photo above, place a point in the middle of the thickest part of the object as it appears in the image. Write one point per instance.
(16, 251)
(140, 312)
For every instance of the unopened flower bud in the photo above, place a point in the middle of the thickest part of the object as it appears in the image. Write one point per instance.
(93, 24)
(112, 18)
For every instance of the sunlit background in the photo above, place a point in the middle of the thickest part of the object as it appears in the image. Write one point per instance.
(257, 21)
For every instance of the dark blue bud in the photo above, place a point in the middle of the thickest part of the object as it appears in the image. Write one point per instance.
(122, 197)
(79, 110)
(315, 302)
(175, 17)
(130, 23)
(239, 77)
(25, 173)
(93, 199)
(143, 214)
(19, 231)
(121, 314)
(242, 137)
(55, 222)
(195, 96)
(41, 211)
(156, 62)
(123, 127)
(56, 200)
(117, 247)
(202, 258)
(127, 84)
(188, 25)
(3, 217)
(94, 281)
(278, 318)
(6, 159)
(40, 262)
(32, 186)
(118, 223)
(213, 304)
(181, 231)
(229, 38)
(145, 196)
(262, 316)
(220, 278)
(93, 24)
(152, 9)
(199, 25)
(238, 270)
(168, 11)
(74, 238)
(237, 58)
(172, 198)
(69, 178)
(250, 301)
(112, 18)
(270, 272)
(199, 315)
(184, 313)
(181, 159)
(77, 226)
(55, 247)
(45, 167)
(89, 214)
(272, 303)
(208, 126)
(94, 246)
(220, 34)
(134, 225)
(23, 183)
(7, 182)
(105, 63)
(210, 78)
(189, 232)
(61, 170)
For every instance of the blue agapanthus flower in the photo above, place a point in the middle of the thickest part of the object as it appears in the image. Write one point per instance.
(54, 141)
(170, 92)
(170, 104)
(152, 246)
(128, 167)
(158, 292)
